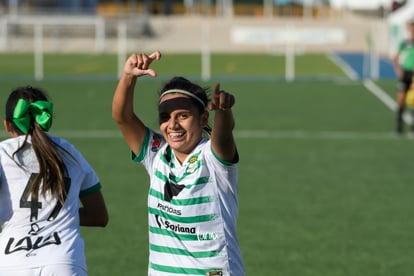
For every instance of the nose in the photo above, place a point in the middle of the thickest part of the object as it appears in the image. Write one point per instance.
(172, 123)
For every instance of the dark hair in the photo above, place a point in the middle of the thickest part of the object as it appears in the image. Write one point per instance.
(52, 167)
(184, 84)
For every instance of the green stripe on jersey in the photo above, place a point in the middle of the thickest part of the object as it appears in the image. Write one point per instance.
(160, 175)
(176, 180)
(183, 202)
(91, 190)
(178, 251)
(194, 219)
(143, 150)
(181, 270)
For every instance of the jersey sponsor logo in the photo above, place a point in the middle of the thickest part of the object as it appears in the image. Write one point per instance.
(156, 143)
(32, 242)
(169, 209)
(175, 227)
(207, 236)
(34, 229)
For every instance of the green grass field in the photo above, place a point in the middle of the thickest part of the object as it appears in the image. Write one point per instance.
(325, 187)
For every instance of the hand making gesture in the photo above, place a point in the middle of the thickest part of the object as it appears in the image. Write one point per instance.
(221, 100)
(138, 64)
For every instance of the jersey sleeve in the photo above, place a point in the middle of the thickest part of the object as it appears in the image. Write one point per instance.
(80, 169)
(90, 181)
(226, 173)
(153, 142)
(91, 190)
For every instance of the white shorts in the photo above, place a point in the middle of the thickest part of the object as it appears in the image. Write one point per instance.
(48, 270)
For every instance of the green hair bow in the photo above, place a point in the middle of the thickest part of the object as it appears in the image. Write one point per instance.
(40, 111)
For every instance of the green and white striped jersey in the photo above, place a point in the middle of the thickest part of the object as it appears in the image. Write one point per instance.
(192, 211)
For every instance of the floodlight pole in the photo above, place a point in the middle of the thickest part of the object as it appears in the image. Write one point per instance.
(122, 46)
(13, 7)
(290, 62)
(307, 8)
(225, 8)
(38, 44)
(268, 8)
(205, 53)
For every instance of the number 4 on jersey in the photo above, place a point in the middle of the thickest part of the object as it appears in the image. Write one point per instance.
(34, 203)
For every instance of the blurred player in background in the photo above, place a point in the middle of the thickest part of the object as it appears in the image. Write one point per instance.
(193, 197)
(43, 179)
(404, 65)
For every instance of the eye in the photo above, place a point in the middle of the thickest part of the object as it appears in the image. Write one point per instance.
(183, 115)
(164, 117)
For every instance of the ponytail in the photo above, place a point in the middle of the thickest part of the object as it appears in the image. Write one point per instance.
(31, 115)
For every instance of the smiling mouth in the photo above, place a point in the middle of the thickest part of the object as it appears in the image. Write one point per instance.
(176, 135)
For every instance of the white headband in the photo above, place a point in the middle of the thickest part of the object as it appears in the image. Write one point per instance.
(180, 91)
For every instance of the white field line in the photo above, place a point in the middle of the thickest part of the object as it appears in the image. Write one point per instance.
(380, 94)
(371, 86)
(344, 66)
(386, 99)
(316, 135)
(243, 134)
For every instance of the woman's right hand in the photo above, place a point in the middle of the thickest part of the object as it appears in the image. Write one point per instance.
(138, 64)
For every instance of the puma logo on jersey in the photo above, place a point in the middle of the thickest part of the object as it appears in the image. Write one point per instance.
(171, 190)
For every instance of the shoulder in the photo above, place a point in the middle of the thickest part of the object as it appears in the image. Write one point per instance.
(67, 147)
(153, 143)
(206, 148)
(155, 139)
(10, 145)
(61, 142)
(58, 140)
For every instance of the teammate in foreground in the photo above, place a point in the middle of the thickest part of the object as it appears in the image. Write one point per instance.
(404, 65)
(42, 180)
(193, 195)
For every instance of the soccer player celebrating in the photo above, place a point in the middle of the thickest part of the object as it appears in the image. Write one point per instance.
(192, 199)
(42, 180)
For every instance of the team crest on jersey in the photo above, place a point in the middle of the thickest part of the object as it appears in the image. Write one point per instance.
(156, 142)
(192, 165)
